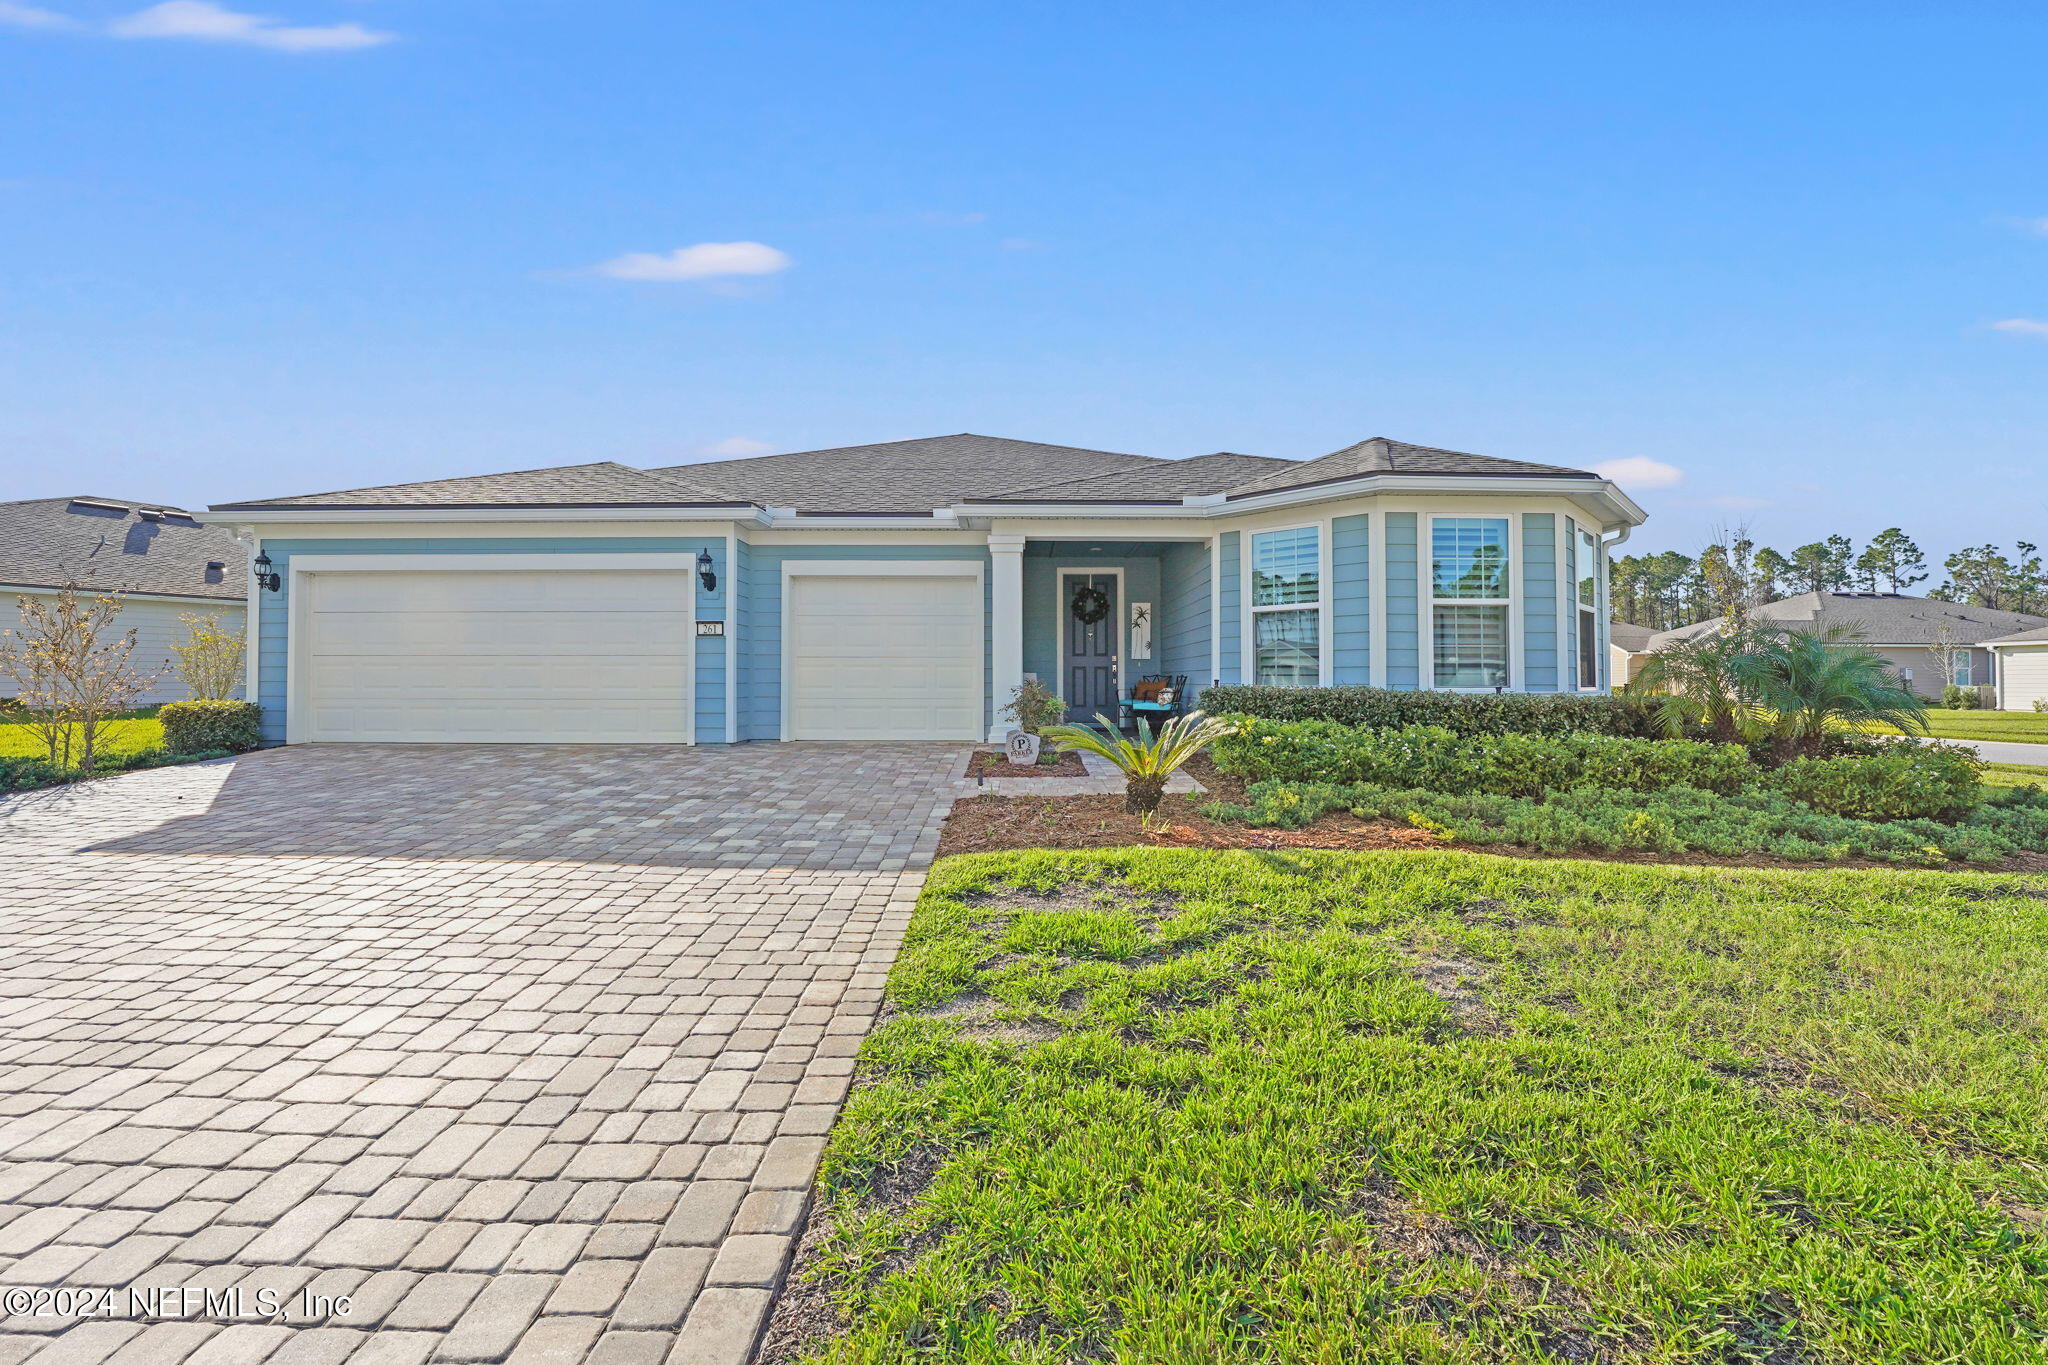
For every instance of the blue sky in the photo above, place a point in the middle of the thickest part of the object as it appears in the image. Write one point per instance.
(290, 245)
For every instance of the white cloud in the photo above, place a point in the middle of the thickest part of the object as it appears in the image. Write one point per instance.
(205, 21)
(29, 16)
(2037, 226)
(1639, 471)
(2022, 327)
(735, 448)
(704, 261)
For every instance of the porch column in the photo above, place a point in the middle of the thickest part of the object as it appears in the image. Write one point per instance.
(1006, 626)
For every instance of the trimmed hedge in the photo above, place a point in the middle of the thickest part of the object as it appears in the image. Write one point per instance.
(192, 727)
(1675, 820)
(1432, 757)
(1877, 780)
(1896, 782)
(1484, 713)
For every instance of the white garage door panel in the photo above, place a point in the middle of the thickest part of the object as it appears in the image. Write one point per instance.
(2026, 677)
(505, 656)
(885, 657)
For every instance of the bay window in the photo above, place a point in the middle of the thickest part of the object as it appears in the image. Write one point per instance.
(1287, 607)
(1469, 599)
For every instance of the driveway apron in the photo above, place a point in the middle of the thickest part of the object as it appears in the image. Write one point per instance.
(400, 1054)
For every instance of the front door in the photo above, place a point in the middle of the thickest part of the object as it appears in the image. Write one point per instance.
(1089, 646)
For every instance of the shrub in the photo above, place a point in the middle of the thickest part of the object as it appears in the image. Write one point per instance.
(1961, 698)
(1492, 713)
(1148, 761)
(192, 727)
(1675, 820)
(1434, 758)
(20, 774)
(1894, 782)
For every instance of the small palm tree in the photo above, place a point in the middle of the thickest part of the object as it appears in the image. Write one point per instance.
(1147, 761)
(1810, 683)
(1701, 687)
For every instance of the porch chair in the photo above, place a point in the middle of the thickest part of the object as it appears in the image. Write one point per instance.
(1156, 697)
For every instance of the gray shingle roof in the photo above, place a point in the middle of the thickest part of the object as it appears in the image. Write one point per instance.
(1160, 480)
(1381, 455)
(1881, 618)
(1634, 639)
(2036, 636)
(907, 478)
(603, 484)
(106, 543)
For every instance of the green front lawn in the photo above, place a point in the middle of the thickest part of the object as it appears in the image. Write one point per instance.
(116, 737)
(2019, 727)
(1176, 1107)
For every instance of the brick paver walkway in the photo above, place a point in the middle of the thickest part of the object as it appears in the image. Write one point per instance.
(526, 1051)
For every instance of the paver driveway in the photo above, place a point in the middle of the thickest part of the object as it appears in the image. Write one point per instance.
(527, 1051)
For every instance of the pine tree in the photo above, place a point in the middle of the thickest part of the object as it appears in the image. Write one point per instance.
(1892, 559)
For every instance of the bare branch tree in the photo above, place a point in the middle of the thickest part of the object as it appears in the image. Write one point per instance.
(75, 672)
(211, 660)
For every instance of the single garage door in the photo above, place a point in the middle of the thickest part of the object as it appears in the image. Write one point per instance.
(884, 658)
(2025, 675)
(536, 657)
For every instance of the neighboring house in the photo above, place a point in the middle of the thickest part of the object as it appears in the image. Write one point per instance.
(2022, 668)
(164, 562)
(902, 590)
(1628, 648)
(1909, 631)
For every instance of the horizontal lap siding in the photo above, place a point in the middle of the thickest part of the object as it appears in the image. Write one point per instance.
(1350, 601)
(1404, 643)
(159, 628)
(272, 606)
(1229, 609)
(1539, 602)
(761, 642)
(1184, 614)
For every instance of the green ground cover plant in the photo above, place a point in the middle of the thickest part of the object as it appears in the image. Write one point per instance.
(1175, 1107)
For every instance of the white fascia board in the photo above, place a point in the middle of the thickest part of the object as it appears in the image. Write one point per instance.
(182, 599)
(314, 516)
(1625, 511)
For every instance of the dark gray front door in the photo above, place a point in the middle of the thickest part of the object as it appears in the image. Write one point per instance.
(1090, 684)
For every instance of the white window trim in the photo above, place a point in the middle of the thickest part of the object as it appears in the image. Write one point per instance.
(1579, 610)
(1248, 646)
(861, 568)
(297, 597)
(1425, 573)
(1059, 619)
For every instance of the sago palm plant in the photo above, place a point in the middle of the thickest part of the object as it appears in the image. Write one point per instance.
(1147, 761)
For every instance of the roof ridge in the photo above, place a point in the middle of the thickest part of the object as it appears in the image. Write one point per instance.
(451, 478)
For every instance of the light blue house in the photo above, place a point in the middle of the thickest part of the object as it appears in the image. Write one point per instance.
(901, 591)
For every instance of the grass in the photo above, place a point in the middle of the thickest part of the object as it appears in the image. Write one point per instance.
(1176, 1107)
(2018, 727)
(116, 737)
(2013, 775)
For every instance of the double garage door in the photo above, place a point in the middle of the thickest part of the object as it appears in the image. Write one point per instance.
(558, 656)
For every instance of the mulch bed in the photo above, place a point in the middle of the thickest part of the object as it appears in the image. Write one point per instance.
(990, 824)
(994, 763)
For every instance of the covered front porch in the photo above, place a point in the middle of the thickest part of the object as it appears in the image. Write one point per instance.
(1091, 618)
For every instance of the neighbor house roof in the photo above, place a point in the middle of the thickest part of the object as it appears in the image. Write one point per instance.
(907, 478)
(1882, 618)
(1157, 481)
(115, 543)
(914, 478)
(1633, 639)
(1383, 456)
(603, 484)
(2036, 636)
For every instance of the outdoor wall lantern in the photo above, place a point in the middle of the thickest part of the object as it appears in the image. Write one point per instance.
(267, 576)
(704, 574)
